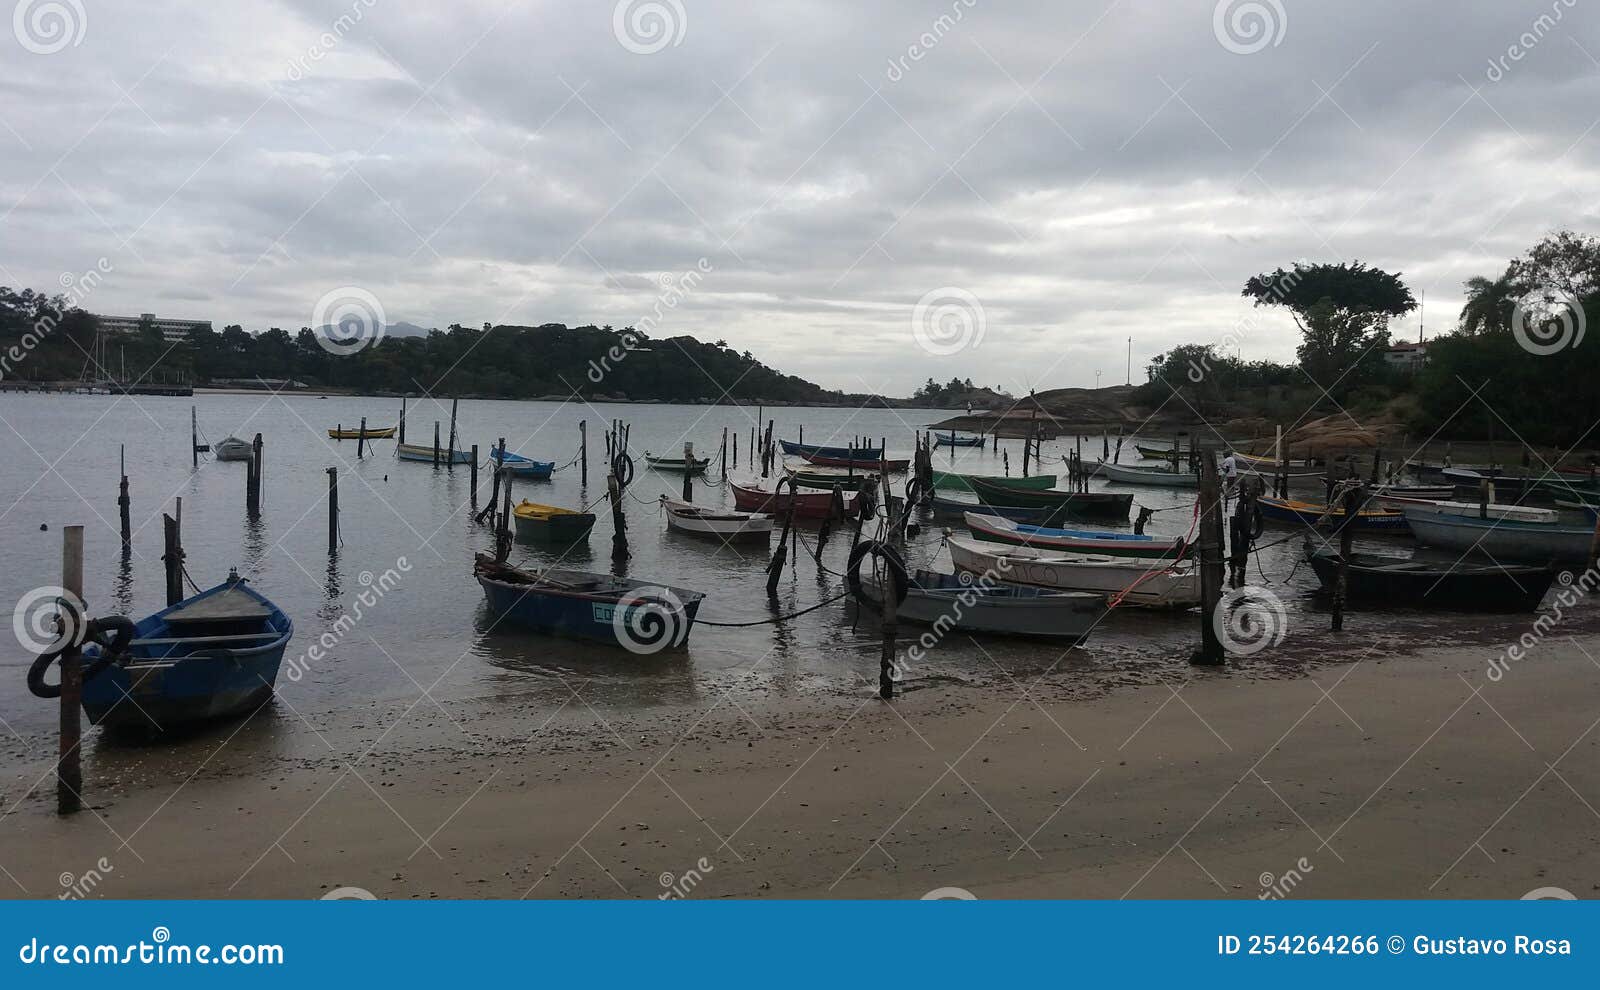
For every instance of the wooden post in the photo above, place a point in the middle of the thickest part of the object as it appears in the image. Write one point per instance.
(473, 488)
(619, 522)
(194, 437)
(69, 771)
(688, 472)
(450, 449)
(1210, 548)
(253, 497)
(333, 510)
(502, 534)
(402, 419)
(722, 467)
(435, 443)
(1352, 507)
(494, 491)
(361, 439)
(735, 448)
(583, 452)
(123, 501)
(781, 555)
(889, 617)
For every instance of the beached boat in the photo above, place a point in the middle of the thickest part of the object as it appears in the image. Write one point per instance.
(960, 507)
(1311, 513)
(1110, 505)
(850, 481)
(1505, 540)
(952, 440)
(752, 497)
(1411, 507)
(686, 517)
(948, 602)
(1414, 491)
(1459, 585)
(1504, 484)
(950, 481)
(421, 452)
(233, 449)
(859, 458)
(677, 464)
(997, 529)
(211, 656)
(640, 616)
(550, 523)
(1135, 582)
(1124, 474)
(522, 467)
(371, 433)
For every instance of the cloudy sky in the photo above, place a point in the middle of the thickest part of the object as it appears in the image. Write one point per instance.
(1045, 179)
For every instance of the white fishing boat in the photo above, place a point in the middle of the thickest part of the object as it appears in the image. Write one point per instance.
(233, 449)
(1504, 539)
(946, 601)
(1125, 474)
(1414, 507)
(724, 524)
(1137, 582)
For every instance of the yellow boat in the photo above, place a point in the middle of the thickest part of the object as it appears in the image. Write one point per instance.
(550, 523)
(372, 433)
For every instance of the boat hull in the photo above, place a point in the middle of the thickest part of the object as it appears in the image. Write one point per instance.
(684, 517)
(519, 466)
(566, 527)
(807, 505)
(945, 602)
(1124, 475)
(1109, 505)
(944, 440)
(949, 481)
(1396, 581)
(1136, 583)
(1503, 540)
(372, 433)
(1308, 514)
(418, 452)
(593, 616)
(1001, 530)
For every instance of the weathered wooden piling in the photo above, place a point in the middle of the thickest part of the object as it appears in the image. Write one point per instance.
(333, 510)
(1209, 541)
(1353, 499)
(488, 510)
(194, 438)
(435, 443)
(502, 536)
(69, 769)
(888, 617)
(619, 522)
(688, 472)
(123, 501)
(450, 450)
(583, 452)
(361, 439)
(402, 419)
(473, 487)
(172, 554)
(722, 453)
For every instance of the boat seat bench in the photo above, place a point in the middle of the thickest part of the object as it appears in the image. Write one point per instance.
(235, 638)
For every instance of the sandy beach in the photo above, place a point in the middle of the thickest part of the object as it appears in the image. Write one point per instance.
(1382, 776)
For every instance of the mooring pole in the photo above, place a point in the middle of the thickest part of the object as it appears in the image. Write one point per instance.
(723, 453)
(123, 501)
(583, 452)
(619, 522)
(450, 451)
(474, 485)
(69, 769)
(194, 437)
(172, 554)
(361, 438)
(889, 617)
(402, 419)
(1352, 506)
(688, 472)
(333, 510)
(435, 443)
(1210, 546)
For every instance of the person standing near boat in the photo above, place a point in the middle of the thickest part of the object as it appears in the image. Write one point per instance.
(1230, 473)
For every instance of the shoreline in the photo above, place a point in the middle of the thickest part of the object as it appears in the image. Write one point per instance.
(1412, 776)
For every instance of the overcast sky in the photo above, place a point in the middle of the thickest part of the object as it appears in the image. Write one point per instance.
(1052, 177)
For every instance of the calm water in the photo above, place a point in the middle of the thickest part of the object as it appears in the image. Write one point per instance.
(60, 457)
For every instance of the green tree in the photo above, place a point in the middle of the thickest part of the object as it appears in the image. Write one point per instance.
(1343, 313)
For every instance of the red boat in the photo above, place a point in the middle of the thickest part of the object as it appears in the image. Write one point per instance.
(822, 460)
(859, 458)
(807, 505)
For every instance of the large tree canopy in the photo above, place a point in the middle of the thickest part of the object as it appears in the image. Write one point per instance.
(1343, 313)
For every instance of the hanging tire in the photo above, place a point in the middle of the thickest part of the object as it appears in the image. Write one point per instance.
(891, 559)
(622, 467)
(113, 635)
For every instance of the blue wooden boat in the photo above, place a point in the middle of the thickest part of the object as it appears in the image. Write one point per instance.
(951, 440)
(522, 467)
(960, 507)
(638, 616)
(211, 656)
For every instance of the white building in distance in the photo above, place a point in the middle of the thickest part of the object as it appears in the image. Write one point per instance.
(172, 331)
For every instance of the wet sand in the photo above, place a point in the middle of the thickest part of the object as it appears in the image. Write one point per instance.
(1380, 776)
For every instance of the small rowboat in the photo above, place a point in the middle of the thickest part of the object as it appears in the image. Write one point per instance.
(951, 440)
(849, 481)
(1494, 510)
(211, 656)
(639, 616)
(859, 458)
(1503, 483)
(950, 481)
(522, 467)
(1391, 580)
(371, 433)
(1413, 491)
(1504, 539)
(233, 449)
(960, 507)
(1123, 474)
(1098, 504)
(677, 464)
(951, 601)
(1150, 583)
(1310, 513)
(807, 505)
(685, 517)
(1155, 453)
(550, 523)
(996, 529)
(418, 452)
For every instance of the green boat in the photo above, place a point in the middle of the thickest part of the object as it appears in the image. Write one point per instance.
(550, 523)
(950, 481)
(1100, 504)
(825, 480)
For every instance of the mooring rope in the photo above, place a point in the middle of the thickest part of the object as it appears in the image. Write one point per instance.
(777, 618)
